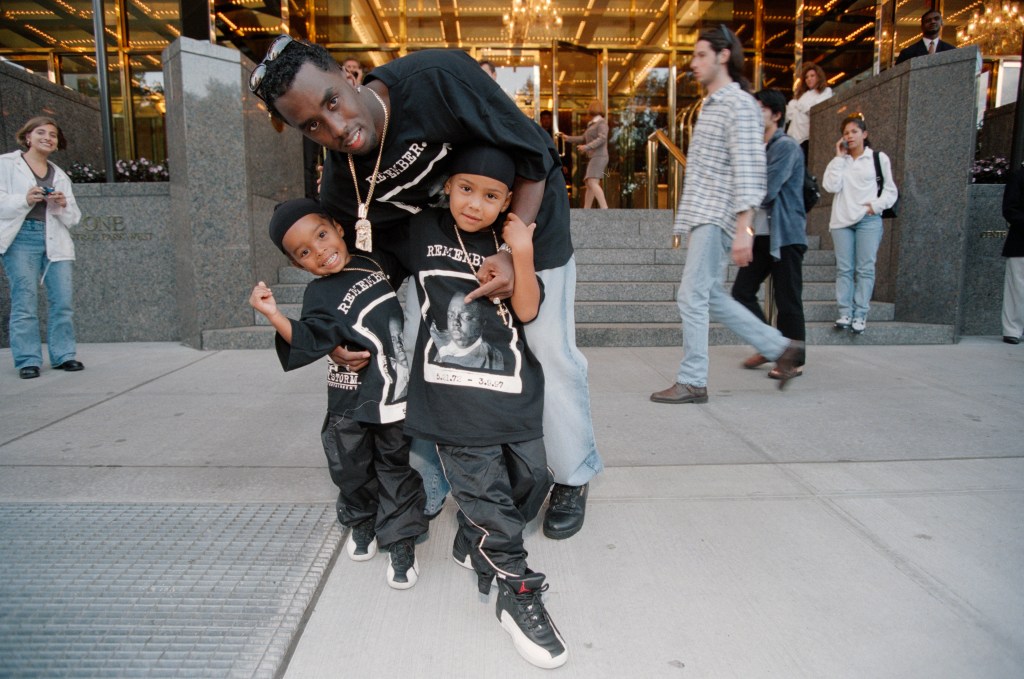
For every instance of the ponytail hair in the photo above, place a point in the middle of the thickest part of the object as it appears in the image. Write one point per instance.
(721, 38)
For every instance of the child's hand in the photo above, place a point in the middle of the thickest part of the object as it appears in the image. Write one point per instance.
(517, 234)
(262, 300)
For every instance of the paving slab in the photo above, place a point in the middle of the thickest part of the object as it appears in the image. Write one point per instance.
(862, 523)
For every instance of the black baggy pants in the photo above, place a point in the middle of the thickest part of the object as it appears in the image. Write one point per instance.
(499, 489)
(369, 463)
(787, 285)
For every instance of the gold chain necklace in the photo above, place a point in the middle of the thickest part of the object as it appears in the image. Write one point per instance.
(372, 261)
(364, 237)
(502, 310)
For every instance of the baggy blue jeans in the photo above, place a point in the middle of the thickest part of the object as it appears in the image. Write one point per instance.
(25, 263)
(856, 250)
(702, 296)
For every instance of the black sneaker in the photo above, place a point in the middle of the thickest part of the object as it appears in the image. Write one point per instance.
(568, 504)
(403, 569)
(362, 541)
(461, 549)
(523, 616)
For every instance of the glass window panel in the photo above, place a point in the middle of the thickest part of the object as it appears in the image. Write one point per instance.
(154, 25)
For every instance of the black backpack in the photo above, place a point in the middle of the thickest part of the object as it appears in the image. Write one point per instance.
(811, 191)
(889, 212)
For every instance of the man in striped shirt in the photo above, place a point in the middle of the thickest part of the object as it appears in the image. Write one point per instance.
(725, 183)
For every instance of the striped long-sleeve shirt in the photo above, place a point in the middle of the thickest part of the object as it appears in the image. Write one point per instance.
(725, 165)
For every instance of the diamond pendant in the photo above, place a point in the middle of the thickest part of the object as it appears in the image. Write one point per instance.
(364, 235)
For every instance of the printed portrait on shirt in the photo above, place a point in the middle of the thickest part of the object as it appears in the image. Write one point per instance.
(470, 344)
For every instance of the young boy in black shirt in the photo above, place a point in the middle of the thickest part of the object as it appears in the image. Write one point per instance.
(478, 391)
(353, 302)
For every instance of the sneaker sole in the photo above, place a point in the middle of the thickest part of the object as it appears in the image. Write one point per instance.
(412, 575)
(531, 652)
(350, 547)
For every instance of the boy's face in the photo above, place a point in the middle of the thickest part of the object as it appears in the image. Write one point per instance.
(327, 109)
(475, 200)
(315, 243)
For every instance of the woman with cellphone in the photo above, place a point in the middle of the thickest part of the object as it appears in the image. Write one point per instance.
(37, 209)
(856, 222)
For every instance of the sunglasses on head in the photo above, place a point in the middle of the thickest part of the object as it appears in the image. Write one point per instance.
(256, 77)
(729, 36)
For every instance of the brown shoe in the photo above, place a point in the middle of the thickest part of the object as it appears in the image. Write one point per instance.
(681, 393)
(788, 365)
(755, 361)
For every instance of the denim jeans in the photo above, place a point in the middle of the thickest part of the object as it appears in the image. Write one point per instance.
(568, 428)
(702, 296)
(856, 249)
(25, 263)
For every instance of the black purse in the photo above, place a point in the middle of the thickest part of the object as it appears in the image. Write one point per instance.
(889, 212)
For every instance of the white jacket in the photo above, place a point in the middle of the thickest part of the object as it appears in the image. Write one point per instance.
(855, 185)
(16, 178)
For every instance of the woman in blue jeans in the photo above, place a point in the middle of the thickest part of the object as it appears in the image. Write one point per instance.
(37, 207)
(856, 223)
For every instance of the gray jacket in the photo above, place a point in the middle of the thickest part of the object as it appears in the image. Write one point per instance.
(784, 200)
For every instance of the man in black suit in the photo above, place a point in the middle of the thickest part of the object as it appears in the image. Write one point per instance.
(931, 27)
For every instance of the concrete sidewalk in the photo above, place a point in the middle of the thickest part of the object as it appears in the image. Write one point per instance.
(167, 512)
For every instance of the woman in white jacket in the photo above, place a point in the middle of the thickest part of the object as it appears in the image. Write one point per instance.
(856, 223)
(37, 207)
(812, 89)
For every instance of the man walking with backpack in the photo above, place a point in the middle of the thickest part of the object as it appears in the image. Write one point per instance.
(725, 183)
(780, 231)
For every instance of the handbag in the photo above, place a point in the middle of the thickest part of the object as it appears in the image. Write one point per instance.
(889, 212)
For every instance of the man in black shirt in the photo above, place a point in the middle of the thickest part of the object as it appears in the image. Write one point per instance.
(389, 147)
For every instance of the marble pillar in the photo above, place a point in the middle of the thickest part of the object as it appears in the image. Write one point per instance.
(228, 168)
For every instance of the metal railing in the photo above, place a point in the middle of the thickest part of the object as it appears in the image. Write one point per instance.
(676, 170)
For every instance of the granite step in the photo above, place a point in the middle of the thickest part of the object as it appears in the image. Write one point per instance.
(668, 312)
(644, 256)
(670, 335)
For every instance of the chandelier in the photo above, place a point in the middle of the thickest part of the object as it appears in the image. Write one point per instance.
(540, 16)
(996, 29)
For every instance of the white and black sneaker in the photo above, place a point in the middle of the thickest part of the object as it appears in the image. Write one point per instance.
(858, 326)
(460, 550)
(403, 569)
(523, 616)
(842, 323)
(362, 541)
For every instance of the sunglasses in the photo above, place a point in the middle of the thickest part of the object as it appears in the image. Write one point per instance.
(729, 37)
(256, 77)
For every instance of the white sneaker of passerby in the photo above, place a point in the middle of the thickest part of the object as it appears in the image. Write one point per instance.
(843, 323)
(858, 326)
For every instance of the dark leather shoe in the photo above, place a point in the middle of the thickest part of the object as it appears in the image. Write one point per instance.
(566, 509)
(70, 366)
(28, 372)
(1011, 340)
(681, 393)
(788, 365)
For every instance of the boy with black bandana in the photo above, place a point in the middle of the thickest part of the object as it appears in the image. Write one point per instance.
(485, 415)
(380, 496)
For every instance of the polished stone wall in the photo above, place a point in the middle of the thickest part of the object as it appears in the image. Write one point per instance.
(985, 266)
(995, 138)
(24, 95)
(124, 266)
(921, 114)
(221, 184)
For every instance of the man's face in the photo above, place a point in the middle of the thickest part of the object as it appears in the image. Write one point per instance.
(326, 108)
(464, 323)
(545, 121)
(771, 119)
(706, 63)
(931, 24)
